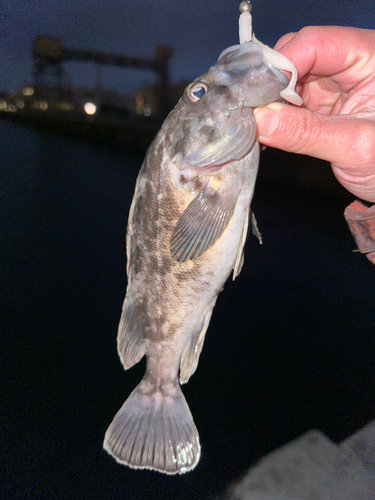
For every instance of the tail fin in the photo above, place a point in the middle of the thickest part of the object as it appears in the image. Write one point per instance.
(154, 429)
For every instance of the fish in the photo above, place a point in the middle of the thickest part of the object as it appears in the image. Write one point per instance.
(187, 227)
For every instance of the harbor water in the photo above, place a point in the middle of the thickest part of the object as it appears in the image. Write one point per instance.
(290, 346)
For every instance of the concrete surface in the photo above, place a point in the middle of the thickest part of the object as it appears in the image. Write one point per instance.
(313, 468)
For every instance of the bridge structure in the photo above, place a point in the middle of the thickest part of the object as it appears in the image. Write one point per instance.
(49, 55)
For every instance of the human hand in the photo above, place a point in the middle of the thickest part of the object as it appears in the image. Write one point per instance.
(336, 69)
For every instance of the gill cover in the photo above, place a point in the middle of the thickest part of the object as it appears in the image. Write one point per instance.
(220, 126)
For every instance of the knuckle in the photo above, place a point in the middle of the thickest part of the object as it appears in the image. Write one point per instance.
(363, 144)
(309, 32)
(302, 133)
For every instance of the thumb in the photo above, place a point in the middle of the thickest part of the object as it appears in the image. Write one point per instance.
(343, 140)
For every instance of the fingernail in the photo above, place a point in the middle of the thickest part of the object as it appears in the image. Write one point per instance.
(267, 119)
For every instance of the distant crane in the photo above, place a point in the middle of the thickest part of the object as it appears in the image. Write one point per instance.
(49, 54)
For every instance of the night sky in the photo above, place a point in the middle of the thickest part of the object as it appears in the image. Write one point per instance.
(198, 30)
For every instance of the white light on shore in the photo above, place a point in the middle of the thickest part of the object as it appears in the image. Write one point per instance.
(27, 91)
(89, 108)
(147, 111)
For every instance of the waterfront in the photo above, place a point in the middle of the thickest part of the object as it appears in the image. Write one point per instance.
(290, 346)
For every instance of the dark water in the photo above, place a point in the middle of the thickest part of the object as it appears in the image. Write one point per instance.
(290, 346)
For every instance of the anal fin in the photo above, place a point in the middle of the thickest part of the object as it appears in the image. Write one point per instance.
(190, 354)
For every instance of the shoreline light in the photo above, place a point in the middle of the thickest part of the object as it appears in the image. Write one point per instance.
(90, 108)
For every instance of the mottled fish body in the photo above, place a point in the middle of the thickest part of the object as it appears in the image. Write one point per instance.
(187, 227)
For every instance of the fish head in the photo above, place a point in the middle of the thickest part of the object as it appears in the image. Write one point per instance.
(215, 120)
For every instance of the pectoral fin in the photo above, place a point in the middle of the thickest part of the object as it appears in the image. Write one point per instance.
(201, 224)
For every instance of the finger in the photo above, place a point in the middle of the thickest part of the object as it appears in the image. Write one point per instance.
(284, 40)
(328, 51)
(359, 182)
(345, 140)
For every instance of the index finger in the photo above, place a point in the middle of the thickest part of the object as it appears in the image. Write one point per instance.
(331, 50)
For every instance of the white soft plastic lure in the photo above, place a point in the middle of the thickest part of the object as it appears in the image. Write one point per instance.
(276, 59)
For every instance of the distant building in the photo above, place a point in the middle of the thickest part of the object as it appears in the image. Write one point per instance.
(66, 99)
(43, 98)
(145, 100)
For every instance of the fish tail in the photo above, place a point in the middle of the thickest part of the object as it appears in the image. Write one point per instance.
(154, 429)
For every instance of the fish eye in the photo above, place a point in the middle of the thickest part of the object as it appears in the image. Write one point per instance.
(196, 91)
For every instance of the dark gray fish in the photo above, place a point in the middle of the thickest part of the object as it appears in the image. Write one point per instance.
(187, 227)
